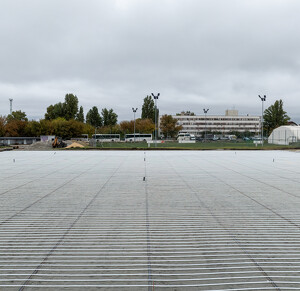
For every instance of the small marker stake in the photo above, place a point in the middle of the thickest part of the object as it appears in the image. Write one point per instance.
(144, 179)
(14, 160)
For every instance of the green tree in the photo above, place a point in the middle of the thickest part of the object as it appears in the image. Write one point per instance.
(93, 117)
(63, 128)
(70, 106)
(88, 129)
(17, 115)
(55, 111)
(33, 128)
(67, 110)
(80, 115)
(275, 116)
(148, 108)
(110, 118)
(168, 126)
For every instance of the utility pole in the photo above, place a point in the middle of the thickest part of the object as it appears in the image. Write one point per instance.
(205, 112)
(262, 118)
(134, 111)
(155, 118)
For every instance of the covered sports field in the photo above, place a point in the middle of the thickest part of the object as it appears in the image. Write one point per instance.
(135, 220)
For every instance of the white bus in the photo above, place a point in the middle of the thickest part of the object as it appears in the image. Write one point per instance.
(138, 137)
(186, 138)
(106, 137)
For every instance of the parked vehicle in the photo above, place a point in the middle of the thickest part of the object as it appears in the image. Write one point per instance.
(138, 137)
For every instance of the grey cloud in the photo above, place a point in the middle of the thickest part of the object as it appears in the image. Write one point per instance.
(113, 53)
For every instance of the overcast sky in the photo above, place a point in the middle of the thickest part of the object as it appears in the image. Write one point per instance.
(215, 54)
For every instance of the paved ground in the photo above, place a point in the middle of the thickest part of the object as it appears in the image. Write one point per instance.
(212, 220)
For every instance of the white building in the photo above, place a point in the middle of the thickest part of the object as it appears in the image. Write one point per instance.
(231, 121)
(285, 135)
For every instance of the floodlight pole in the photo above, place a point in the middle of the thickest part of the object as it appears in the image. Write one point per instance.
(262, 118)
(134, 111)
(11, 101)
(155, 117)
(205, 112)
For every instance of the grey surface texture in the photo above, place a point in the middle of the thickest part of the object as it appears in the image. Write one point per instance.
(200, 220)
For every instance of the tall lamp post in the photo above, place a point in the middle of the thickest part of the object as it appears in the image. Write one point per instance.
(205, 112)
(10, 101)
(134, 111)
(155, 117)
(262, 118)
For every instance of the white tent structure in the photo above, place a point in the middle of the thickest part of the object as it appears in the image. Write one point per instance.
(285, 135)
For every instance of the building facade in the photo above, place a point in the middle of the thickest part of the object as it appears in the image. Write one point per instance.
(231, 121)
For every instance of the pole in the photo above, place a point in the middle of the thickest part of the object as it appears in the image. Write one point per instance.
(155, 117)
(262, 118)
(134, 111)
(205, 112)
(155, 132)
(10, 101)
(262, 123)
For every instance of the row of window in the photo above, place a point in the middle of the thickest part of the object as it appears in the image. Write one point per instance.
(219, 123)
(223, 118)
(222, 128)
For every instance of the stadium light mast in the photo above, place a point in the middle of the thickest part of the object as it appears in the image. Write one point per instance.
(262, 118)
(134, 111)
(155, 118)
(205, 112)
(11, 101)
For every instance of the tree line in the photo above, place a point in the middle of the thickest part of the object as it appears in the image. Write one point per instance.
(67, 120)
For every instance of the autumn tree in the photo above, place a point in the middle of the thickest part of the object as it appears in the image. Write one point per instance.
(275, 116)
(144, 125)
(110, 129)
(15, 124)
(141, 126)
(127, 126)
(168, 126)
(2, 125)
(15, 128)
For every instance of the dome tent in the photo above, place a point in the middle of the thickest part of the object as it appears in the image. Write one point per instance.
(285, 135)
